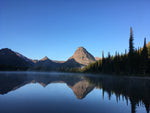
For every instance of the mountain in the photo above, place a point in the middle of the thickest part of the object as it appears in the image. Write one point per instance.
(81, 57)
(56, 61)
(45, 59)
(98, 58)
(71, 63)
(11, 58)
(46, 63)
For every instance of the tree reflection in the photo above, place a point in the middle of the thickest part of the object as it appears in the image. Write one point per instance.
(137, 90)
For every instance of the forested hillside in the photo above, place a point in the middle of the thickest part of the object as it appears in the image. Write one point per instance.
(134, 62)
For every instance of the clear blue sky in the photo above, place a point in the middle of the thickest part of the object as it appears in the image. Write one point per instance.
(55, 28)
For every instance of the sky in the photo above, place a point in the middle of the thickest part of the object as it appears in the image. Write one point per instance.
(56, 28)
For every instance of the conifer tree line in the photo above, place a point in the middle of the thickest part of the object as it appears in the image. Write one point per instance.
(135, 62)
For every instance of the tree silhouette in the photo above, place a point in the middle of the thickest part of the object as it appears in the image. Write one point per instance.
(131, 45)
(131, 52)
(144, 58)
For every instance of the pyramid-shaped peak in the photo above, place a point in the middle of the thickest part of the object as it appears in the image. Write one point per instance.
(81, 48)
(45, 58)
(82, 56)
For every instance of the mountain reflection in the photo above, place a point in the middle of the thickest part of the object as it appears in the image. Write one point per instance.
(10, 82)
(136, 90)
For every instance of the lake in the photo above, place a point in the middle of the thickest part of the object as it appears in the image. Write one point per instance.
(51, 92)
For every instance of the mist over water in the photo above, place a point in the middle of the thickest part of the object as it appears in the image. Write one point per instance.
(44, 92)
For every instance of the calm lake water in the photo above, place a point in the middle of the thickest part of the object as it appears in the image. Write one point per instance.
(34, 92)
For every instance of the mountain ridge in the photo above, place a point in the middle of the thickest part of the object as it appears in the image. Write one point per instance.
(80, 58)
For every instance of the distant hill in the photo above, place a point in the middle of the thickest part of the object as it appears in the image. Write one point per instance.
(98, 58)
(56, 61)
(46, 63)
(71, 63)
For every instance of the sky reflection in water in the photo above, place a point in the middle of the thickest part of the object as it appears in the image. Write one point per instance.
(66, 93)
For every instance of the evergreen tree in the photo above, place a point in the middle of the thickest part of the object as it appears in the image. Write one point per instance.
(125, 52)
(144, 57)
(131, 45)
(103, 62)
(131, 52)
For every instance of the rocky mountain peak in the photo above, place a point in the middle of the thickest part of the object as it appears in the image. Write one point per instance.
(81, 49)
(82, 56)
(45, 58)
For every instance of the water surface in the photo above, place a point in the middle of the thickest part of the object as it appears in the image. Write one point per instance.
(34, 92)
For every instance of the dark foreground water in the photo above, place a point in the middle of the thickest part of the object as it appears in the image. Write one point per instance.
(34, 92)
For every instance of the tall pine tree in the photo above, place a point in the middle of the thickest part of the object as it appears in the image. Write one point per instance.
(144, 58)
(131, 52)
(131, 45)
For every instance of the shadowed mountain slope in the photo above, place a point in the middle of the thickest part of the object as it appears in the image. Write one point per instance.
(11, 58)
